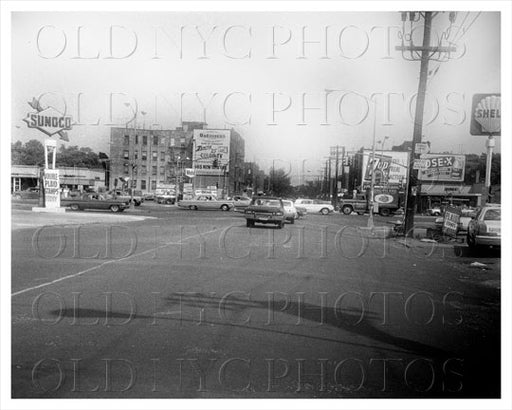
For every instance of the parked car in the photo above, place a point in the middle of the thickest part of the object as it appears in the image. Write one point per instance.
(94, 201)
(206, 202)
(290, 212)
(485, 228)
(149, 196)
(434, 211)
(315, 205)
(29, 193)
(265, 210)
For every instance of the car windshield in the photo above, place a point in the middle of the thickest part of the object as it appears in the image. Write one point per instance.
(492, 215)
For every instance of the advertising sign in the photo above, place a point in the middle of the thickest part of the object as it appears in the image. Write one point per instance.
(48, 120)
(451, 221)
(486, 114)
(442, 167)
(211, 152)
(51, 188)
(390, 167)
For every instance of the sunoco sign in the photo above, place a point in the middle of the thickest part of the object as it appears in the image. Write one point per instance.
(50, 121)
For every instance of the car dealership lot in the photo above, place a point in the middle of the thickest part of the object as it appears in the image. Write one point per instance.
(195, 304)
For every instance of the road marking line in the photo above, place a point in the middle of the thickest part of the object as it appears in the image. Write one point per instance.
(74, 275)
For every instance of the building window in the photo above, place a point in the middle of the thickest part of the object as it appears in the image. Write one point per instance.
(126, 154)
(162, 141)
(162, 156)
(143, 184)
(144, 155)
(143, 170)
(155, 156)
(136, 154)
(136, 139)
(144, 140)
(126, 169)
(172, 142)
(182, 141)
(155, 139)
(153, 170)
(153, 185)
(126, 140)
(162, 170)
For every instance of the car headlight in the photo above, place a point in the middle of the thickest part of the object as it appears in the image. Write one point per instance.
(279, 213)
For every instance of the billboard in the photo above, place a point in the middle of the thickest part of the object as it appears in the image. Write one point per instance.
(442, 167)
(390, 167)
(211, 152)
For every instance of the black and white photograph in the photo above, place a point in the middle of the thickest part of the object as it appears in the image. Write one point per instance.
(255, 200)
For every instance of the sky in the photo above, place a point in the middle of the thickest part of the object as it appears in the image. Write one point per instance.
(253, 71)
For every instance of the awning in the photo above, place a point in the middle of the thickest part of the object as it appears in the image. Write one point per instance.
(447, 190)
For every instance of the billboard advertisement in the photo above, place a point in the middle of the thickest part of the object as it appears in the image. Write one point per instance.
(211, 152)
(442, 167)
(390, 167)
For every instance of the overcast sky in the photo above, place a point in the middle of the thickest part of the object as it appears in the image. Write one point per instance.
(174, 66)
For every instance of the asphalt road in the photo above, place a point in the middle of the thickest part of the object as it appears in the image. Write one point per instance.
(194, 304)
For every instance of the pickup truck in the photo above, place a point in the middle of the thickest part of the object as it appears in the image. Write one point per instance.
(387, 201)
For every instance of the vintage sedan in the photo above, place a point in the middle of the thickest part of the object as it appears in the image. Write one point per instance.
(485, 228)
(94, 201)
(265, 210)
(208, 202)
(241, 202)
(30, 193)
(314, 206)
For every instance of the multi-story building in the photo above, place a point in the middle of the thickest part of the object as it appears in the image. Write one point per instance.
(149, 158)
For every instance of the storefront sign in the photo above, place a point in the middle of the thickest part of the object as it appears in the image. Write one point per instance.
(442, 167)
(51, 188)
(451, 221)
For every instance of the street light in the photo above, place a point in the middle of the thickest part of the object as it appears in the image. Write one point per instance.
(372, 183)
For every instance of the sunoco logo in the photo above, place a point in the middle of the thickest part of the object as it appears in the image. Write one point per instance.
(48, 120)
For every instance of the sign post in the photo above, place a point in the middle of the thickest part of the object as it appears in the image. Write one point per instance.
(486, 120)
(49, 121)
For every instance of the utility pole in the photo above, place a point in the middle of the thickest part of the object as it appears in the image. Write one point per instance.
(427, 53)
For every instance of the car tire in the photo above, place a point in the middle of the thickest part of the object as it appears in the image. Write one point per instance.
(346, 209)
(324, 211)
(74, 207)
(292, 221)
(224, 207)
(114, 208)
(249, 223)
(137, 203)
(384, 212)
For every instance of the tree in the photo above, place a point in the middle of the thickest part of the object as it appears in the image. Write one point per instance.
(30, 153)
(73, 156)
(476, 163)
(279, 183)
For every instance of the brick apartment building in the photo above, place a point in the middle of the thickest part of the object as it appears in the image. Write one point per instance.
(159, 157)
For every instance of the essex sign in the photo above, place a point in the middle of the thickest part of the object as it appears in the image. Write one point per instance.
(441, 167)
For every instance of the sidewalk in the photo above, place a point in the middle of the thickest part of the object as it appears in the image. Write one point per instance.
(23, 219)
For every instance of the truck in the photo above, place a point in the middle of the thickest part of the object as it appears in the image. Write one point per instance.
(166, 194)
(388, 201)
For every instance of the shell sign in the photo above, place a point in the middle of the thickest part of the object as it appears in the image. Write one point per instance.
(486, 114)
